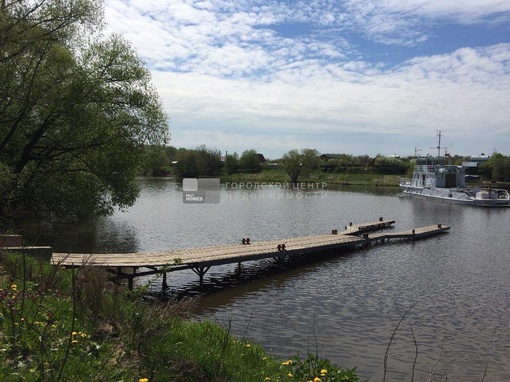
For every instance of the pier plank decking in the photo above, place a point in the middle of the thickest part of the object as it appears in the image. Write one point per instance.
(225, 254)
(201, 259)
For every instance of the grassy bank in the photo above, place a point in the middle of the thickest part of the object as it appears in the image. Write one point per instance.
(77, 325)
(278, 175)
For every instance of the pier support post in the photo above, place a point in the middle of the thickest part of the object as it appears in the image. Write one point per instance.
(201, 271)
(164, 285)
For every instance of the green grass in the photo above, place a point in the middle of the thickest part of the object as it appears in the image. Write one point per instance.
(77, 325)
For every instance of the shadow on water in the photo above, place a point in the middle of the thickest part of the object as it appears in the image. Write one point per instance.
(247, 277)
(92, 236)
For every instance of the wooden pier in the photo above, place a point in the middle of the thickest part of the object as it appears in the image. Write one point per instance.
(200, 260)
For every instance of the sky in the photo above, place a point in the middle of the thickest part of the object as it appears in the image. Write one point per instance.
(355, 77)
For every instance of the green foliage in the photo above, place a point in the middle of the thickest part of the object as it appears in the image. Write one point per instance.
(156, 161)
(231, 163)
(201, 161)
(499, 166)
(249, 161)
(61, 325)
(390, 165)
(297, 163)
(318, 369)
(186, 164)
(43, 337)
(76, 111)
(310, 159)
(292, 163)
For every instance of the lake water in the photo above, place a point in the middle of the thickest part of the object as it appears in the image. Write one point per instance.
(345, 308)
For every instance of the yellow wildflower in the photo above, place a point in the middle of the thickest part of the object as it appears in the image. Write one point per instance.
(143, 380)
(14, 286)
(287, 363)
(290, 375)
(323, 372)
(316, 379)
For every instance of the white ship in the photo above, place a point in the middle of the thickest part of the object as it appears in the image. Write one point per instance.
(434, 179)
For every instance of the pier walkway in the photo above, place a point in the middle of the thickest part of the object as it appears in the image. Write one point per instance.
(131, 265)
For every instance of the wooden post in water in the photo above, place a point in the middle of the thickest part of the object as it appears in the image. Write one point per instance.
(201, 271)
(164, 284)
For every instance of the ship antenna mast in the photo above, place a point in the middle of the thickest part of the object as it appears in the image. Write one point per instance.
(439, 135)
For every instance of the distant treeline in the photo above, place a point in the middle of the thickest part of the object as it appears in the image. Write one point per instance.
(205, 161)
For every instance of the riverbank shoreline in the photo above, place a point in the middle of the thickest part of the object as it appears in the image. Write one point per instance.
(337, 179)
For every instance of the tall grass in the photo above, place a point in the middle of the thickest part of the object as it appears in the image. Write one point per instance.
(78, 325)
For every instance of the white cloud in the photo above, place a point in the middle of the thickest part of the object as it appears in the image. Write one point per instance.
(464, 11)
(236, 76)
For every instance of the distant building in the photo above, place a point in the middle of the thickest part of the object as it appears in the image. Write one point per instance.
(473, 164)
(261, 158)
(480, 158)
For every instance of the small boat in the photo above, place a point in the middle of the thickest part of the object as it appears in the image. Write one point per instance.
(434, 179)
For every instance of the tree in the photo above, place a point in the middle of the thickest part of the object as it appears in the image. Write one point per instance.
(297, 163)
(208, 161)
(75, 115)
(310, 160)
(500, 167)
(293, 165)
(156, 161)
(231, 163)
(249, 161)
(201, 161)
(390, 165)
(186, 164)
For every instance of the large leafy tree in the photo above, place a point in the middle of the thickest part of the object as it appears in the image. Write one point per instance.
(250, 161)
(299, 163)
(76, 111)
(499, 167)
(293, 164)
(202, 161)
